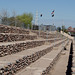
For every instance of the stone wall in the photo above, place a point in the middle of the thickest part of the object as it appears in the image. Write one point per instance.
(46, 35)
(12, 68)
(17, 47)
(14, 48)
(5, 37)
(37, 32)
(11, 29)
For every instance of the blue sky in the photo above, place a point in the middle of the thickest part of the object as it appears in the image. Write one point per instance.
(64, 10)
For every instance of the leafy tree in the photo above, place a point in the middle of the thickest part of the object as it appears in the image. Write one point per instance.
(64, 29)
(23, 20)
(11, 21)
(26, 19)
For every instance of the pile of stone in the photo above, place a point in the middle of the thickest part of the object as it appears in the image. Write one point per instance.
(11, 29)
(7, 37)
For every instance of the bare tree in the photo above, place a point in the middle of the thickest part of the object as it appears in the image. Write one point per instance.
(4, 15)
(14, 16)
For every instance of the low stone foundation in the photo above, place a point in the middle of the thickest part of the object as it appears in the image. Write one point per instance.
(12, 29)
(12, 68)
(17, 47)
(15, 37)
(14, 48)
(46, 35)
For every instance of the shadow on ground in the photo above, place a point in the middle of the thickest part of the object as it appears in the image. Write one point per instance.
(68, 72)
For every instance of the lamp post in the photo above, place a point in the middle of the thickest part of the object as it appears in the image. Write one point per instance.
(53, 21)
(39, 25)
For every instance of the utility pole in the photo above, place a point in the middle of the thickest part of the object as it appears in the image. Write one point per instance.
(36, 21)
(39, 24)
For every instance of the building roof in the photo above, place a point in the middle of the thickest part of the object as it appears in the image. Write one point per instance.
(70, 29)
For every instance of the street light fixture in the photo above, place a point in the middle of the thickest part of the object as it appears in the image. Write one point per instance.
(39, 25)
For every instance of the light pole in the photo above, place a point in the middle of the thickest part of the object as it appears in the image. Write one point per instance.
(53, 21)
(39, 25)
